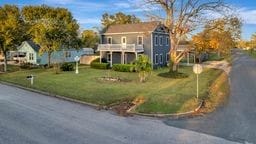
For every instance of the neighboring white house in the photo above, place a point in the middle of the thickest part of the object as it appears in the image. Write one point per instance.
(31, 52)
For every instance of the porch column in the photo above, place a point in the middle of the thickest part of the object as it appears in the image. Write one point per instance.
(136, 55)
(122, 57)
(100, 56)
(111, 58)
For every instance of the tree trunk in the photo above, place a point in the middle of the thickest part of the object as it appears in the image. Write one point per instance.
(173, 54)
(49, 59)
(5, 61)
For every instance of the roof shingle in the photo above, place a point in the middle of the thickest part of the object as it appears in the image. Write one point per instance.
(136, 27)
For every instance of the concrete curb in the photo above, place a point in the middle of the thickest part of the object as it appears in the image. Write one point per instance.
(176, 115)
(50, 94)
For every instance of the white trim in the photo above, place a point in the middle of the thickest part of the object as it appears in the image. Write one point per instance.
(156, 40)
(167, 44)
(111, 40)
(156, 59)
(160, 40)
(124, 33)
(122, 40)
(142, 42)
(161, 58)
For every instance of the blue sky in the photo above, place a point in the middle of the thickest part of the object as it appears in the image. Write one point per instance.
(88, 12)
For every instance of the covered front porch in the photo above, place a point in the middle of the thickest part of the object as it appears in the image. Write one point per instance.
(120, 53)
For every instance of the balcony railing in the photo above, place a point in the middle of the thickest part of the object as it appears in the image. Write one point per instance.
(120, 47)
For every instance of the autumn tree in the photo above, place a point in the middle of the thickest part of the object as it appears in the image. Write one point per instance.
(89, 38)
(118, 18)
(253, 41)
(182, 17)
(51, 28)
(219, 35)
(11, 30)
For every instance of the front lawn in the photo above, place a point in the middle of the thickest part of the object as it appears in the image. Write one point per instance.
(162, 95)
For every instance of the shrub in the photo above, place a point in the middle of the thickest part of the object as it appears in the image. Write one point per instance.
(143, 66)
(28, 66)
(67, 67)
(103, 60)
(98, 65)
(123, 67)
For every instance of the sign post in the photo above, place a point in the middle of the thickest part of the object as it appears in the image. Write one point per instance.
(197, 68)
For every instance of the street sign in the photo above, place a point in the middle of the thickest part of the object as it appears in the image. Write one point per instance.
(197, 68)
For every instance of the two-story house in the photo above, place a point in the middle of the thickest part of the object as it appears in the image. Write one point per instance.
(123, 43)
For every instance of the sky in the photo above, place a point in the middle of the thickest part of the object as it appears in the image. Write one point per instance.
(89, 12)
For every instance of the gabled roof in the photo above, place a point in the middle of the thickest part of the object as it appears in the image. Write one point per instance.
(33, 45)
(136, 27)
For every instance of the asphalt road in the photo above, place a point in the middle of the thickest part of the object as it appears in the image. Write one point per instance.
(31, 118)
(236, 120)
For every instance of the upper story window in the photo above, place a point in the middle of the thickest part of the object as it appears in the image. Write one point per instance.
(167, 41)
(140, 40)
(156, 40)
(123, 40)
(109, 40)
(31, 56)
(161, 40)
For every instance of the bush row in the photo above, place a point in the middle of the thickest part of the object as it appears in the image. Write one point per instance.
(98, 65)
(123, 67)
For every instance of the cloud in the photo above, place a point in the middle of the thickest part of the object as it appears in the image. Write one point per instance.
(248, 15)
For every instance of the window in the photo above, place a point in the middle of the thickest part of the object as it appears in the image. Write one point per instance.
(161, 58)
(109, 40)
(156, 40)
(123, 40)
(161, 40)
(108, 57)
(156, 59)
(31, 56)
(167, 41)
(67, 54)
(140, 40)
(167, 57)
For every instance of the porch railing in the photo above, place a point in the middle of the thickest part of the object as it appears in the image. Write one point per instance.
(120, 47)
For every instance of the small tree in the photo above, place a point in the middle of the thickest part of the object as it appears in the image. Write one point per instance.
(143, 66)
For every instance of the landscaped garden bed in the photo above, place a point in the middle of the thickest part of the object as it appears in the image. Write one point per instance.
(161, 94)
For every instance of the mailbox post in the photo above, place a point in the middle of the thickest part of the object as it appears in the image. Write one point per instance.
(31, 78)
(197, 68)
(77, 58)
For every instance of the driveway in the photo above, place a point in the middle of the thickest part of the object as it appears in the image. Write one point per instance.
(31, 118)
(236, 120)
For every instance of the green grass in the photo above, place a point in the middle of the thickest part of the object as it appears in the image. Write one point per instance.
(162, 95)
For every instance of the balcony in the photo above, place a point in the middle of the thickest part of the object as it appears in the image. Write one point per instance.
(120, 47)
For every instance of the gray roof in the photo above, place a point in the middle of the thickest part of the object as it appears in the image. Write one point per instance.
(33, 45)
(135, 27)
